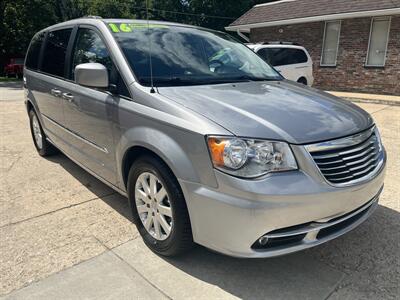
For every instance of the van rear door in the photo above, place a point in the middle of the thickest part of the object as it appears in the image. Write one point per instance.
(51, 80)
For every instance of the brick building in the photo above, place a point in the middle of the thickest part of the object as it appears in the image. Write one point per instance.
(354, 44)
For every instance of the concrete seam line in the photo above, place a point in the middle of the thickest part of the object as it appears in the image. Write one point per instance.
(335, 287)
(108, 248)
(127, 241)
(37, 280)
(129, 265)
(141, 275)
(13, 164)
(379, 110)
(54, 211)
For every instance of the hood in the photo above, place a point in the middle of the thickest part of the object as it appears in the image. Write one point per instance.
(278, 110)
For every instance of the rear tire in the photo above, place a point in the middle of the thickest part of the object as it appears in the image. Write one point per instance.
(302, 80)
(42, 145)
(159, 207)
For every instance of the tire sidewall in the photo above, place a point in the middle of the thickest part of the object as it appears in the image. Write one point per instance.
(153, 166)
(42, 150)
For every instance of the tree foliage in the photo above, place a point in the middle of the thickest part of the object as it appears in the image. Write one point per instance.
(21, 19)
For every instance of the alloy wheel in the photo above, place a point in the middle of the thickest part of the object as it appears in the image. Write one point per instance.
(153, 206)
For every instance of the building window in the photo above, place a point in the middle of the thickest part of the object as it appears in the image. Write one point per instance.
(378, 40)
(330, 44)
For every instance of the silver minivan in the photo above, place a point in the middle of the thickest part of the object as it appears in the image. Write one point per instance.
(207, 141)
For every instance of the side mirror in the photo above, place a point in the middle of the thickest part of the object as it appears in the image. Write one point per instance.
(92, 75)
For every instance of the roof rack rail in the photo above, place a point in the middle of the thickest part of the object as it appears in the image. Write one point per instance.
(91, 17)
(281, 43)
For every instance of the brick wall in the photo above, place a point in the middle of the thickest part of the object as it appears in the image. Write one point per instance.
(350, 73)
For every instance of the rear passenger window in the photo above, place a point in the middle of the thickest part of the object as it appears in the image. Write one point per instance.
(298, 56)
(32, 58)
(55, 52)
(90, 48)
(283, 56)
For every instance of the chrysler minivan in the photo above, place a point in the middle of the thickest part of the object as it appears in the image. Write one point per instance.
(206, 140)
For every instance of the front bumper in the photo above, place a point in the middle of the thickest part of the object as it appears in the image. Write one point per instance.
(233, 217)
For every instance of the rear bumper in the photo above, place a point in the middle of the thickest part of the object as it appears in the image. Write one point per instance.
(233, 217)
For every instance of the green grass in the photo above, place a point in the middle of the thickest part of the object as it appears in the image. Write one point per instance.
(7, 79)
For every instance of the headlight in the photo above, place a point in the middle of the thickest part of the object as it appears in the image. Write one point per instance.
(250, 157)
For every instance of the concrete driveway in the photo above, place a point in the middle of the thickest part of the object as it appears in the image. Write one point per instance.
(64, 234)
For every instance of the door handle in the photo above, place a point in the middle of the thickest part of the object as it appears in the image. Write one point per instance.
(55, 92)
(68, 96)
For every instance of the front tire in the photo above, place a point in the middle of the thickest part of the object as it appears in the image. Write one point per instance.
(158, 207)
(42, 145)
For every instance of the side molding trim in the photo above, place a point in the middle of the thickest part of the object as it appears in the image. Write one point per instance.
(102, 149)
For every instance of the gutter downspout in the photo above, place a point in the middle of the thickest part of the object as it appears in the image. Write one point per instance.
(243, 36)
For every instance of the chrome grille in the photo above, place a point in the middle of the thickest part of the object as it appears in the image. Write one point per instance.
(348, 160)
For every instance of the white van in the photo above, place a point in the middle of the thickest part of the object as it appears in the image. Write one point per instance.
(292, 61)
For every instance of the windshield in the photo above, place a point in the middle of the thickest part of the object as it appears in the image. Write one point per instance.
(187, 56)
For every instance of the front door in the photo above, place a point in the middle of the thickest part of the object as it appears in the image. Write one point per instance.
(89, 113)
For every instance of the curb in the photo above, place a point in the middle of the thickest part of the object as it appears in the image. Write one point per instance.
(368, 98)
(373, 101)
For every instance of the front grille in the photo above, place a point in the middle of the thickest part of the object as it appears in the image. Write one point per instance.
(351, 161)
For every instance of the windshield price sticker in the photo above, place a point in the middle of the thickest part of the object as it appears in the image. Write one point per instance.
(129, 27)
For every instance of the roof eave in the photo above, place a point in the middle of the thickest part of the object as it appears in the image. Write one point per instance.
(359, 14)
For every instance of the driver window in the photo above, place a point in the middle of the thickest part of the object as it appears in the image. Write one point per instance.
(89, 48)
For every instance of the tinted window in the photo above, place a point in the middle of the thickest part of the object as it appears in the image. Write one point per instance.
(54, 52)
(298, 56)
(283, 56)
(90, 48)
(32, 58)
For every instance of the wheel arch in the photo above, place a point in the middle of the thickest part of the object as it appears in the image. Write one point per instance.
(166, 146)
(29, 106)
(134, 153)
(303, 80)
(30, 103)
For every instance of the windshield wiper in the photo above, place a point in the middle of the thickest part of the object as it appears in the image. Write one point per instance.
(175, 80)
(179, 81)
(254, 78)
